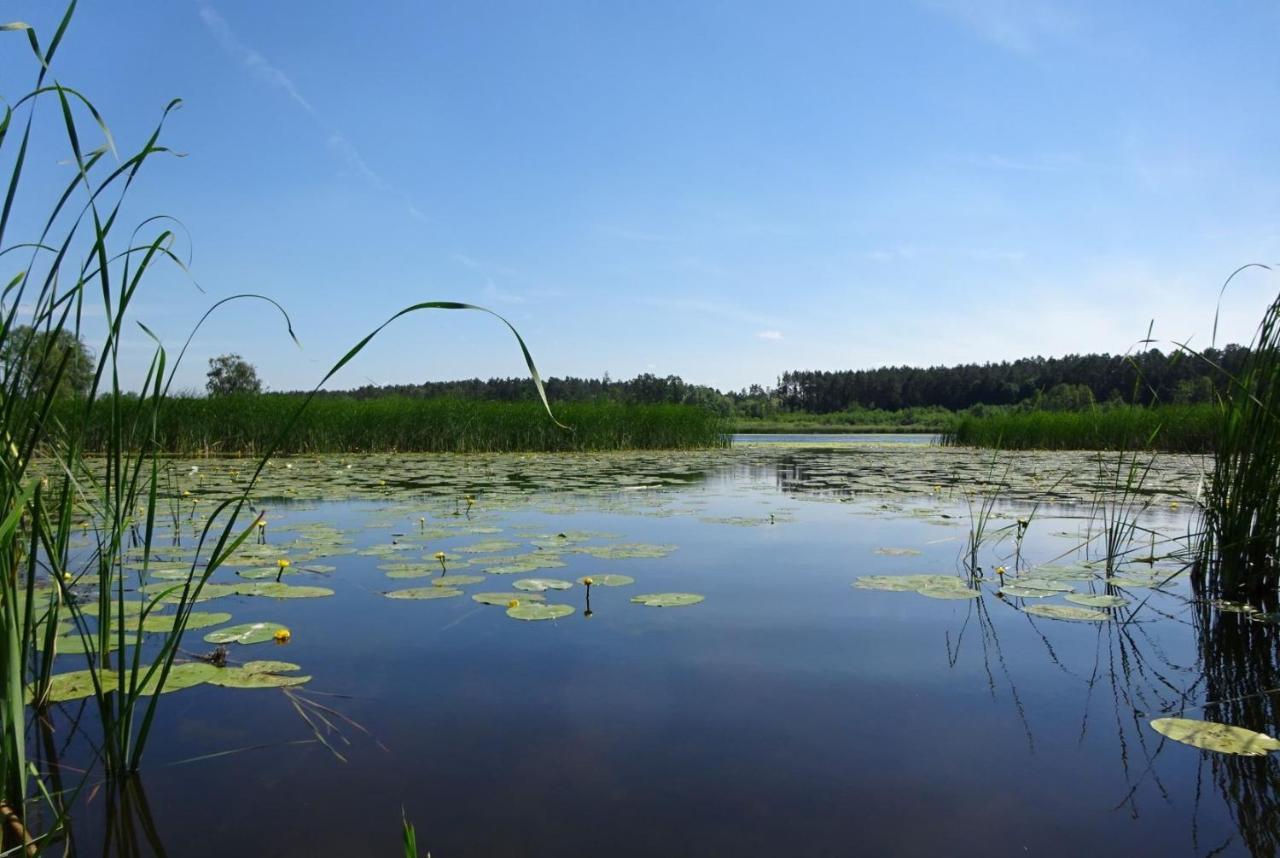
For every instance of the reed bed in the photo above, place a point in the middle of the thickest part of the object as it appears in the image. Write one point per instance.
(1168, 428)
(1239, 549)
(248, 425)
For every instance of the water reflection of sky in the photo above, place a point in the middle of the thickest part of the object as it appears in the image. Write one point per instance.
(788, 714)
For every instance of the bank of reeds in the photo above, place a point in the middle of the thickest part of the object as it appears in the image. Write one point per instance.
(248, 425)
(1239, 549)
(1168, 428)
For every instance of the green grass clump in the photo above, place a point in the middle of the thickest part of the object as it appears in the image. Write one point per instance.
(251, 424)
(1239, 549)
(1171, 428)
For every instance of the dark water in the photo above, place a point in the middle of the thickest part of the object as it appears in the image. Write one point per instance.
(788, 714)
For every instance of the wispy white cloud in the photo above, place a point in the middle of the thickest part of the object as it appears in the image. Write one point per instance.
(775, 336)
(1020, 26)
(491, 292)
(276, 77)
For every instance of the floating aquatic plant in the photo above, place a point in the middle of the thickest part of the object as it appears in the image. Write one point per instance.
(537, 611)
(1212, 736)
(668, 600)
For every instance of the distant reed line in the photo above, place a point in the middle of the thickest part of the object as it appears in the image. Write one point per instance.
(1169, 428)
(251, 424)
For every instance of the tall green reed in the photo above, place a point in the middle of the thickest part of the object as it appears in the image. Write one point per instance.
(1238, 554)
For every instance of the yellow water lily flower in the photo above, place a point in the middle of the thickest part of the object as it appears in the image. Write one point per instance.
(282, 635)
(588, 581)
(1173, 505)
(439, 555)
(66, 576)
(1000, 570)
(514, 603)
(283, 563)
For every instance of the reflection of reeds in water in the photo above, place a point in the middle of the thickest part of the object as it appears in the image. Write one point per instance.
(1240, 660)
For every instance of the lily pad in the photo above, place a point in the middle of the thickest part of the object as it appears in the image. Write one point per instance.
(537, 585)
(668, 600)
(1026, 592)
(536, 611)
(245, 633)
(423, 593)
(1091, 600)
(898, 552)
(949, 592)
(456, 580)
(1212, 736)
(257, 674)
(905, 583)
(1042, 584)
(609, 580)
(1067, 612)
(505, 599)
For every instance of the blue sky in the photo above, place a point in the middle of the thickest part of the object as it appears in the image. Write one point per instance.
(719, 190)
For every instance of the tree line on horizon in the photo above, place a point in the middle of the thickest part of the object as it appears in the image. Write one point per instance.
(1065, 383)
(1071, 382)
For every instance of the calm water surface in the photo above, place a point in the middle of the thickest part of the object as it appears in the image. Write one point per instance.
(788, 714)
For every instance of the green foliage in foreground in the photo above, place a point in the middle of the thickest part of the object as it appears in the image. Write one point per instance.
(250, 424)
(1172, 428)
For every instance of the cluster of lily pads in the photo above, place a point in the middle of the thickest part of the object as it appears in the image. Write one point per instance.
(1043, 582)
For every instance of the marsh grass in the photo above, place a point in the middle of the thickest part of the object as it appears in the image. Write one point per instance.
(83, 263)
(248, 425)
(1239, 549)
(1168, 428)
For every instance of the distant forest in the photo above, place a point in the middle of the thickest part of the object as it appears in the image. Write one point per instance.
(1065, 383)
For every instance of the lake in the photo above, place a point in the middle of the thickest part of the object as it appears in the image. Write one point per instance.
(789, 712)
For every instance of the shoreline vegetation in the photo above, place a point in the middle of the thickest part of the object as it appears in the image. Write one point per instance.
(247, 424)
(250, 425)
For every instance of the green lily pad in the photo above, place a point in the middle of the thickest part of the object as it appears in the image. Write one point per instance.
(505, 599)
(949, 592)
(667, 600)
(536, 611)
(457, 580)
(1026, 592)
(280, 590)
(493, 546)
(1090, 600)
(609, 580)
(245, 633)
(906, 583)
(898, 552)
(625, 550)
(423, 593)
(1067, 612)
(537, 585)
(257, 674)
(1212, 736)
(1042, 584)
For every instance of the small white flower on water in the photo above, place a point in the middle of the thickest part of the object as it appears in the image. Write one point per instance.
(288, 466)
(194, 468)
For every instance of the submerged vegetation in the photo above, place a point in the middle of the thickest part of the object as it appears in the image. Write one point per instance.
(250, 424)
